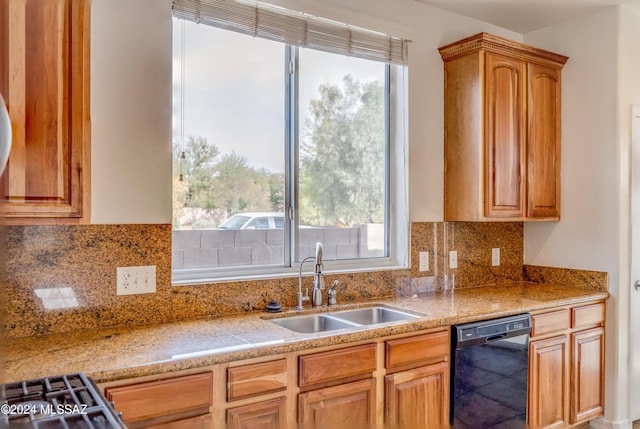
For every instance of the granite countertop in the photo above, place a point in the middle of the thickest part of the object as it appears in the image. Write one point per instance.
(127, 352)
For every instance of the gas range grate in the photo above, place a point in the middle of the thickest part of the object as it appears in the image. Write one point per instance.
(67, 401)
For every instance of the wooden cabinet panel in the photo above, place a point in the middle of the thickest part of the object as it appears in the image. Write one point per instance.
(264, 415)
(184, 397)
(505, 80)
(198, 422)
(548, 382)
(587, 375)
(44, 77)
(260, 378)
(587, 315)
(502, 130)
(418, 397)
(543, 142)
(548, 323)
(337, 364)
(404, 351)
(351, 405)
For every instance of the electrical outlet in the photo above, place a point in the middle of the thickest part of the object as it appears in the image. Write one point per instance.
(136, 280)
(495, 256)
(424, 261)
(453, 259)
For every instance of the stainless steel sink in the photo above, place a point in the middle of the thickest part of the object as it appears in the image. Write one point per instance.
(313, 323)
(373, 315)
(342, 319)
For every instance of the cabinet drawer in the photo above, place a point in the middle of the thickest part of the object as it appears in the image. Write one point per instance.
(587, 315)
(337, 364)
(547, 323)
(267, 414)
(410, 350)
(144, 401)
(256, 379)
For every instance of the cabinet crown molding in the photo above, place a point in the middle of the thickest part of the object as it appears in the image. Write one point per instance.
(500, 45)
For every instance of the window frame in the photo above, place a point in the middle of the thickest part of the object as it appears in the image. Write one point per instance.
(396, 190)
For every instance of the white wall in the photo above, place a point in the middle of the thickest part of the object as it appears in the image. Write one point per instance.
(131, 99)
(628, 94)
(131, 111)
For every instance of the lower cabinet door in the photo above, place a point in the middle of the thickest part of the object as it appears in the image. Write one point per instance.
(548, 382)
(265, 415)
(418, 397)
(587, 375)
(349, 405)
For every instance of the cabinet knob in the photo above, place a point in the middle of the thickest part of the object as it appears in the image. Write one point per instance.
(637, 284)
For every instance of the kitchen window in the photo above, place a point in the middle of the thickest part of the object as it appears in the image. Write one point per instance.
(288, 130)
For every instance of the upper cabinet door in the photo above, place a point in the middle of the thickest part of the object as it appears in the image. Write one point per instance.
(505, 89)
(543, 142)
(44, 77)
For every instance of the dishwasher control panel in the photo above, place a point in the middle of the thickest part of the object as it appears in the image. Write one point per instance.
(506, 326)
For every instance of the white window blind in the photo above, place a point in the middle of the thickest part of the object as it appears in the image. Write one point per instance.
(294, 28)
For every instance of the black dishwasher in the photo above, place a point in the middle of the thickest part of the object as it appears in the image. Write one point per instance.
(489, 373)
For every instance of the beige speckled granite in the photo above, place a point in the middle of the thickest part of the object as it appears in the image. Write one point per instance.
(229, 298)
(117, 353)
(81, 261)
(473, 241)
(83, 258)
(595, 280)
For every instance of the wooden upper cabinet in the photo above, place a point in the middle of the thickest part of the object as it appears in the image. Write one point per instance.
(44, 78)
(502, 130)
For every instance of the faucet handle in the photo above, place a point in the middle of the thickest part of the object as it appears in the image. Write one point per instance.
(332, 293)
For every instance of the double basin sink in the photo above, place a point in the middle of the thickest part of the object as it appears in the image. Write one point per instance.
(342, 319)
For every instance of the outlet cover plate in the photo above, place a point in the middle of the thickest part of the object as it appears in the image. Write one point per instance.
(136, 280)
(424, 261)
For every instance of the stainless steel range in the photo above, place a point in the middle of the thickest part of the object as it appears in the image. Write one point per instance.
(68, 401)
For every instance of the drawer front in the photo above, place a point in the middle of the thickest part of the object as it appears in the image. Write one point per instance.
(256, 379)
(337, 364)
(546, 323)
(144, 401)
(404, 351)
(587, 315)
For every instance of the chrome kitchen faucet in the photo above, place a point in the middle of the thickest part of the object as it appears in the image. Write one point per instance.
(318, 280)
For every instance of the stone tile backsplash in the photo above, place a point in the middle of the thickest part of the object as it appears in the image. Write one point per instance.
(63, 278)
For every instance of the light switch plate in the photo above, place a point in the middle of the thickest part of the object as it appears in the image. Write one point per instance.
(495, 256)
(453, 259)
(424, 261)
(136, 280)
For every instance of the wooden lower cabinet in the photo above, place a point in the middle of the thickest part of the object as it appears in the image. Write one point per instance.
(264, 415)
(548, 382)
(346, 405)
(566, 366)
(587, 374)
(418, 397)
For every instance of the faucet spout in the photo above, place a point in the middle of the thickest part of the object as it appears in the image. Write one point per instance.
(318, 278)
(301, 297)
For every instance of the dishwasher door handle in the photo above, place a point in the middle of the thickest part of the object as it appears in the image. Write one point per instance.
(496, 337)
